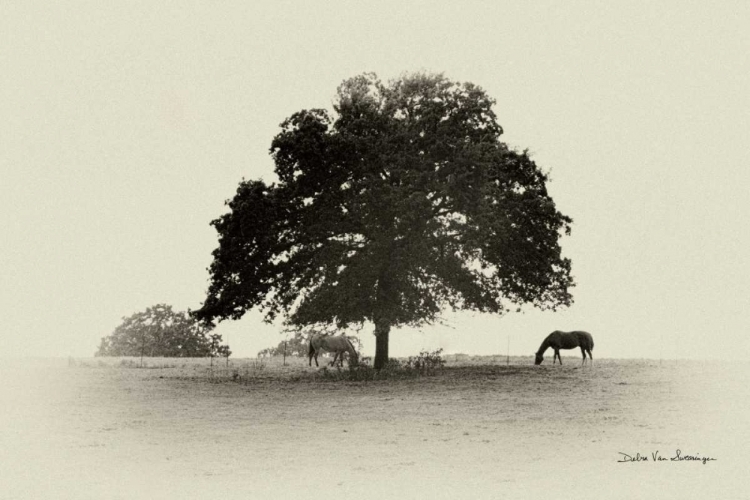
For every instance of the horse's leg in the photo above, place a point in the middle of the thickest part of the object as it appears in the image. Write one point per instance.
(558, 357)
(316, 359)
(335, 358)
(584, 356)
(590, 356)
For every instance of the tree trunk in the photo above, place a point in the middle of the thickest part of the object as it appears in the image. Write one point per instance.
(381, 345)
(382, 315)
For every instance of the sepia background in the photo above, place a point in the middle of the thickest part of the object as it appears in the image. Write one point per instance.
(124, 126)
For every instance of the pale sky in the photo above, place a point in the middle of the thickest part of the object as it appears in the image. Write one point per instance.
(124, 126)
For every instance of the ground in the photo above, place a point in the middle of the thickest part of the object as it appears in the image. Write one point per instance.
(479, 428)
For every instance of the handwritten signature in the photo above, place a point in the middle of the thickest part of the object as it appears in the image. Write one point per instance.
(655, 456)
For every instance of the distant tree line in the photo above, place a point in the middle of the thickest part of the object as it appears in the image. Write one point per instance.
(159, 331)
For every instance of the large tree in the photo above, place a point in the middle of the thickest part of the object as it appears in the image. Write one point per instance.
(401, 202)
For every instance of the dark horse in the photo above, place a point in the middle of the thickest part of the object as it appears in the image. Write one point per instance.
(566, 340)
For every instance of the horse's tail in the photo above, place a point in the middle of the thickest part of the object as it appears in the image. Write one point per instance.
(352, 350)
(311, 349)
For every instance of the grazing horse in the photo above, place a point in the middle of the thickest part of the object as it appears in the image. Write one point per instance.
(566, 340)
(338, 345)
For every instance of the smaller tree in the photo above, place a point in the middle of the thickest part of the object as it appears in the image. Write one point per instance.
(160, 331)
(223, 351)
(297, 345)
(216, 349)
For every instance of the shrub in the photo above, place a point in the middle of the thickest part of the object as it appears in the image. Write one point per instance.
(426, 361)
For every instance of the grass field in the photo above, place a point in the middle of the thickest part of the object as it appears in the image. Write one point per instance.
(104, 428)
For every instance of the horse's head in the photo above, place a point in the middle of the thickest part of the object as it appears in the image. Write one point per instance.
(538, 359)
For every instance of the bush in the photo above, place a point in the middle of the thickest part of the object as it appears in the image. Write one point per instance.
(426, 361)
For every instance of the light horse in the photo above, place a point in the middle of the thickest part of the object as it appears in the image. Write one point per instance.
(338, 345)
(566, 340)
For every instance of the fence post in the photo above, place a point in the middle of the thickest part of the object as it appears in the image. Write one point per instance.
(507, 352)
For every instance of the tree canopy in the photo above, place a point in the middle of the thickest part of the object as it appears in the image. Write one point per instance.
(400, 203)
(159, 331)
